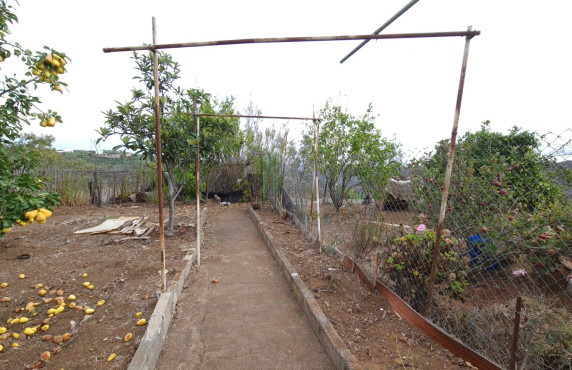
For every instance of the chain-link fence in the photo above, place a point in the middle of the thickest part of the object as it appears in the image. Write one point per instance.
(507, 233)
(78, 187)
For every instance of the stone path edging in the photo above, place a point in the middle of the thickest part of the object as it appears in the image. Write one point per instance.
(332, 343)
(151, 344)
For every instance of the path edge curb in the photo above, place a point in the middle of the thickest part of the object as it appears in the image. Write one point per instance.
(331, 342)
(151, 344)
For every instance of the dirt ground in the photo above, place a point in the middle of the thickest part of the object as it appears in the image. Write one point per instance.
(369, 327)
(125, 275)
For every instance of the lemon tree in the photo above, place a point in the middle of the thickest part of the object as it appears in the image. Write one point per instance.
(134, 122)
(21, 190)
(351, 153)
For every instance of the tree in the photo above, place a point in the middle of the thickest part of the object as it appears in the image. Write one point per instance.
(263, 150)
(352, 149)
(21, 190)
(504, 189)
(134, 121)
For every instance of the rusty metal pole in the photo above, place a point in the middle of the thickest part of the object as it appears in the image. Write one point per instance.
(439, 233)
(198, 183)
(514, 346)
(159, 161)
(313, 180)
(317, 123)
(384, 26)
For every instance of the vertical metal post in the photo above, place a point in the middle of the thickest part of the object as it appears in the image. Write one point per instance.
(159, 160)
(439, 233)
(317, 124)
(313, 179)
(283, 169)
(514, 346)
(198, 184)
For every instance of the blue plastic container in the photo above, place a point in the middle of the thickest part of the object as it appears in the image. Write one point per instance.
(476, 247)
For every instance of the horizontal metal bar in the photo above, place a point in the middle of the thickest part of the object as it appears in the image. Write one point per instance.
(249, 116)
(469, 34)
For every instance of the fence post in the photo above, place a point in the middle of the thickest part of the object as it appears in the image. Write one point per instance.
(114, 196)
(514, 346)
(438, 236)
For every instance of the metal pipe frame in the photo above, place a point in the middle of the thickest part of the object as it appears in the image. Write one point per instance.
(467, 34)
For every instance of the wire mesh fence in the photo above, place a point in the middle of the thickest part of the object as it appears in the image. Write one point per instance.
(507, 233)
(77, 187)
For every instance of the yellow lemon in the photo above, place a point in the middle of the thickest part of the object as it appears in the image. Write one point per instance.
(29, 331)
(40, 218)
(31, 214)
(45, 212)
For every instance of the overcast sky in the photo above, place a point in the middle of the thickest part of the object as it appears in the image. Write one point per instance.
(518, 73)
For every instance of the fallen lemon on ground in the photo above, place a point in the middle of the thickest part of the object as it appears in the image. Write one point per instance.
(128, 337)
(90, 287)
(101, 303)
(86, 284)
(71, 297)
(29, 331)
(111, 357)
(15, 335)
(84, 275)
(1, 348)
(30, 215)
(40, 218)
(89, 311)
(45, 212)
(138, 314)
(4, 285)
(3, 330)
(141, 322)
(23, 320)
(21, 276)
(45, 327)
(72, 305)
(15, 345)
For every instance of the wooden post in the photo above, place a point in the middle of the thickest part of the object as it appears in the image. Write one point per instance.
(159, 162)
(197, 176)
(376, 268)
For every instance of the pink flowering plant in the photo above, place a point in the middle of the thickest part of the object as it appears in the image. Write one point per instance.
(409, 264)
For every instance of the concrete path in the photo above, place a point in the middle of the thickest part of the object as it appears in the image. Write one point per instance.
(249, 319)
